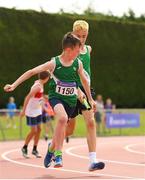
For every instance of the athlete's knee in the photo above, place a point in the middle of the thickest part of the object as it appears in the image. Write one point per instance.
(63, 120)
(68, 133)
(91, 124)
(33, 131)
(70, 127)
(38, 129)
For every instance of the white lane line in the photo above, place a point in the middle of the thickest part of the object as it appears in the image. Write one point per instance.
(68, 151)
(129, 148)
(4, 156)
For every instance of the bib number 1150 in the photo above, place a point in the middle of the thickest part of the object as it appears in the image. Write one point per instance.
(65, 90)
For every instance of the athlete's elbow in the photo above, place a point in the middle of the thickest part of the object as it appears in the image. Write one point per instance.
(31, 73)
(84, 81)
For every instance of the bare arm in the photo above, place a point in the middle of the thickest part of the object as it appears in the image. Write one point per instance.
(81, 95)
(31, 94)
(44, 67)
(86, 86)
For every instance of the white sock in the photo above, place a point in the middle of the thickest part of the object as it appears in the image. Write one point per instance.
(92, 157)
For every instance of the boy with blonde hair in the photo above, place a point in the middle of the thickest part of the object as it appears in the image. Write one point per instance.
(81, 29)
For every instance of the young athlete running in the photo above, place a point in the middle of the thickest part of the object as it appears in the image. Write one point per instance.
(64, 70)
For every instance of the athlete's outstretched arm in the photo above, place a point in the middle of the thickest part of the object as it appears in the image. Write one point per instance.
(44, 67)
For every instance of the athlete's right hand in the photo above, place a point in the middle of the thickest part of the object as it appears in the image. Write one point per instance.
(9, 87)
(81, 95)
(93, 105)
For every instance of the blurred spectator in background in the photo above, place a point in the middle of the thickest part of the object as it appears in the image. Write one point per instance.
(108, 105)
(99, 114)
(47, 117)
(109, 108)
(113, 108)
(11, 109)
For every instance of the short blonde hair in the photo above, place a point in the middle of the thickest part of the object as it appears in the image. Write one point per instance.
(80, 25)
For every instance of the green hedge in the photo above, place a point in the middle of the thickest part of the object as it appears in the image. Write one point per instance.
(29, 38)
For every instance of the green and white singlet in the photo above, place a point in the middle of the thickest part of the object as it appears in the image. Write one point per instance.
(85, 59)
(64, 85)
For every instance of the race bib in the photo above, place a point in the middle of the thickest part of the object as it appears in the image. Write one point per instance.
(66, 88)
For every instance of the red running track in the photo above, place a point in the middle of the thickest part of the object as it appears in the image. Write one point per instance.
(124, 158)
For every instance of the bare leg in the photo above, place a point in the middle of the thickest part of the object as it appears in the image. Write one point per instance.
(8, 121)
(30, 135)
(37, 135)
(91, 130)
(46, 130)
(70, 127)
(50, 127)
(13, 122)
(59, 133)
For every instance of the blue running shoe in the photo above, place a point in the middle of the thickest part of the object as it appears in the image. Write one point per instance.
(96, 166)
(58, 161)
(48, 158)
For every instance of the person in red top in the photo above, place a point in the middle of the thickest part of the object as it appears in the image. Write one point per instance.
(47, 117)
(32, 109)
